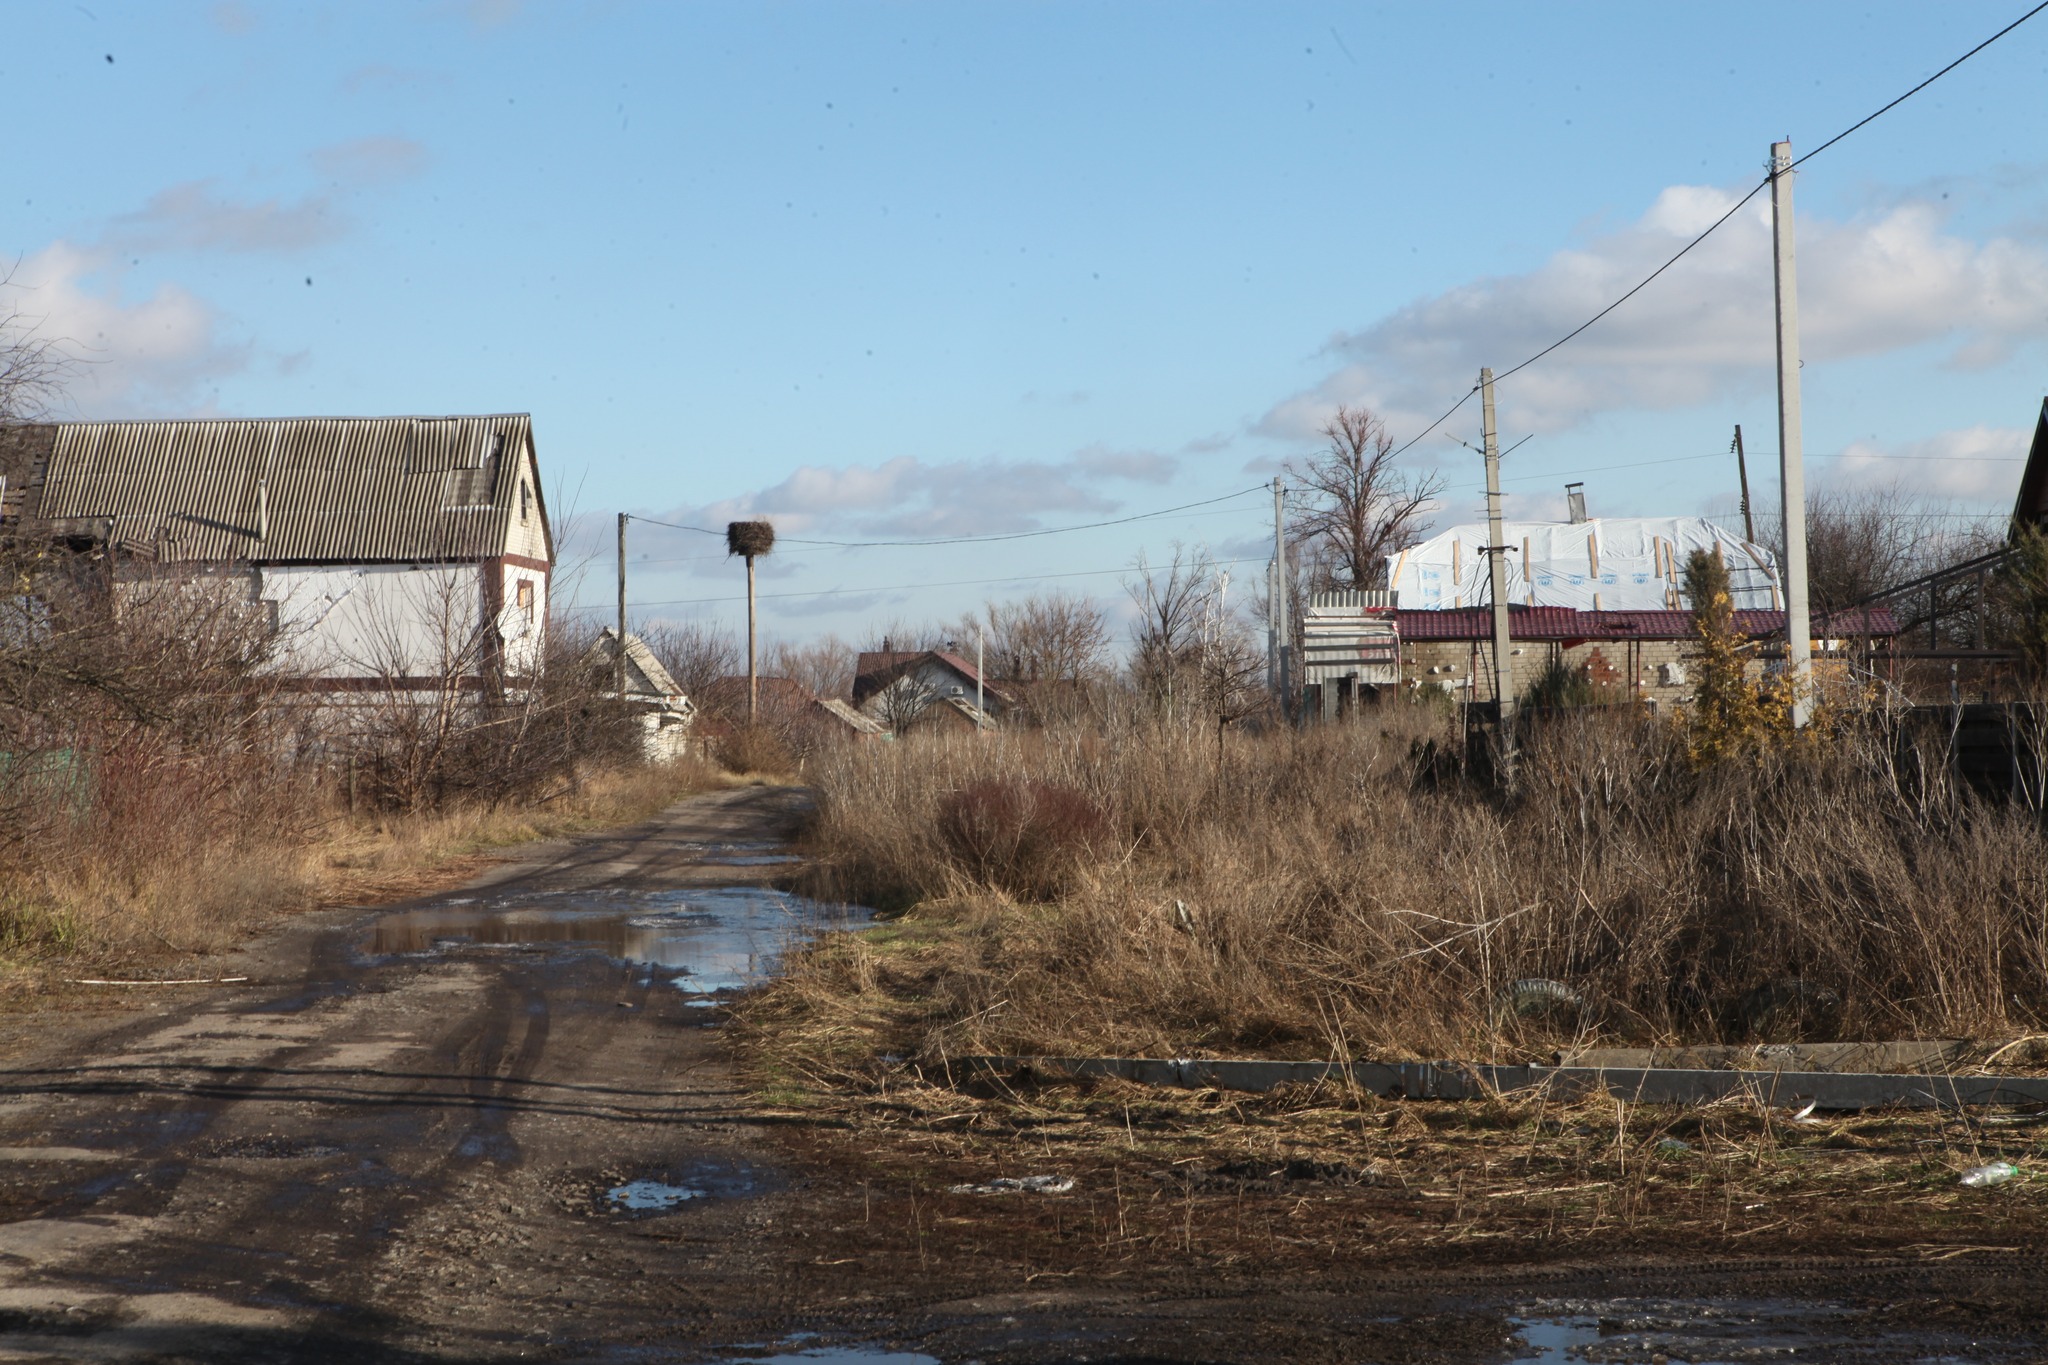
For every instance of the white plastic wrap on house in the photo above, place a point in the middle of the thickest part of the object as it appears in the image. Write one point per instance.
(1606, 564)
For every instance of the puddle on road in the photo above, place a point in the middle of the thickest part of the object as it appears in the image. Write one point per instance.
(1712, 1332)
(644, 1195)
(716, 940)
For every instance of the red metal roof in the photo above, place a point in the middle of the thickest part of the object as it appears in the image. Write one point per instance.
(1566, 623)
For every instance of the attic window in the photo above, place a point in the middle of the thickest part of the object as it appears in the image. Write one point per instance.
(525, 499)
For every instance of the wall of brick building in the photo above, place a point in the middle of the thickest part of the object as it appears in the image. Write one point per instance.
(1466, 671)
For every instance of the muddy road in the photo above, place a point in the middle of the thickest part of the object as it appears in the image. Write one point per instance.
(502, 1123)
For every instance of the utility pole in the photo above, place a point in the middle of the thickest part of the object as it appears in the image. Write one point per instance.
(980, 651)
(1282, 640)
(619, 659)
(753, 666)
(1742, 472)
(1791, 469)
(1497, 579)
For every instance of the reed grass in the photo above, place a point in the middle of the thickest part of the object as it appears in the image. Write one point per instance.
(1345, 891)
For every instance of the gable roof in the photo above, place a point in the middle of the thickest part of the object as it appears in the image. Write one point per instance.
(2030, 508)
(875, 669)
(308, 490)
(645, 677)
(1566, 623)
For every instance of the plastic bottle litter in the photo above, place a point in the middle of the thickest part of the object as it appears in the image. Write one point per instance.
(1672, 1147)
(1994, 1173)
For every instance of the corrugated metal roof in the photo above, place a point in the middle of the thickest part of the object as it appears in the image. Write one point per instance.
(289, 490)
(1565, 623)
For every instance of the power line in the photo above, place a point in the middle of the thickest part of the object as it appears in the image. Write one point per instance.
(1754, 191)
(903, 587)
(1924, 84)
(819, 549)
(969, 540)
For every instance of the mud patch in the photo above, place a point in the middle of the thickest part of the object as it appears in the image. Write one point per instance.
(268, 1147)
(1265, 1175)
(834, 1355)
(1707, 1331)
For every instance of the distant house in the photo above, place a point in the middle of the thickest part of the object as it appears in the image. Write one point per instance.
(788, 706)
(651, 694)
(897, 687)
(391, 553)
(1641, 654)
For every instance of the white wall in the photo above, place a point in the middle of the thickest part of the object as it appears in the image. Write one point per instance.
(520, 626)
(376, 621)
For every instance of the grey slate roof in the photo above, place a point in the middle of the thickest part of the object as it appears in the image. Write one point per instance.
(281, 490)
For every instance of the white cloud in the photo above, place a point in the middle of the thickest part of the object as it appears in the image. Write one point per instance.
(138, 356)
(193, 216)
(1973, 464)
(910, 498)
(1883, 282)
(370, 160)
(197, 216)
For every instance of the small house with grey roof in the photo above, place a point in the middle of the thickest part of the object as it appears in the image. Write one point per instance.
(391, 553)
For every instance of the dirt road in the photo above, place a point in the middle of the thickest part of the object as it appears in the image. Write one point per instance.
(503, 1124)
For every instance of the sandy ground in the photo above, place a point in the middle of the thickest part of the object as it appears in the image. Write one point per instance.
(407, 1156)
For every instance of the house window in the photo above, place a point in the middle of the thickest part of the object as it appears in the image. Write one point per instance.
(525, 499)
(525, 599)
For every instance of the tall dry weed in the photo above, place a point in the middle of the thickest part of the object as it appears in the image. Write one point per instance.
(1335, 888)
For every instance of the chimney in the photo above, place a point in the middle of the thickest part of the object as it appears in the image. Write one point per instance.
(1575, 499)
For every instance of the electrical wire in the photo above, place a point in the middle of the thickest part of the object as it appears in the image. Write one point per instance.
(968, 540)
(1758, 188)
(897, 587)
(1924, 84)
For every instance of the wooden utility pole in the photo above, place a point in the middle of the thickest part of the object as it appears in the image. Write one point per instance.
(619, 659)
(750, 539)
(1791, 467)
(1742, 472)
(1497, 580)
(1283, 676)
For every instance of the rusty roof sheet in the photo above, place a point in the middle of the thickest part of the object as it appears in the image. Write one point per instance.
(1567, 623)
(285, 490)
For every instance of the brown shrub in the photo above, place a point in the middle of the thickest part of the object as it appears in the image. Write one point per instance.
(1316, 892)
(1025, 838)
(754, 749)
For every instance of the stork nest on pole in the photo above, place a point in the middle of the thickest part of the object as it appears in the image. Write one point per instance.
(749, 538)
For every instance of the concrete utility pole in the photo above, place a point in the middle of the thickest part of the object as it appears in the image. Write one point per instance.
(1791, 469)
(1742, 472)
(980, 651)
(1497, 578)
(1282, 640)
(619, 661)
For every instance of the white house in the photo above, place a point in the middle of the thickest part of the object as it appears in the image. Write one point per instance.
(392, 553)
(652, 694)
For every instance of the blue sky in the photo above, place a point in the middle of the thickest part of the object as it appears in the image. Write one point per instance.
(888, 271)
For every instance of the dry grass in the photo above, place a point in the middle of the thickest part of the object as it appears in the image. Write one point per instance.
(186, 865)
(1307, 1178)
(1343, 892)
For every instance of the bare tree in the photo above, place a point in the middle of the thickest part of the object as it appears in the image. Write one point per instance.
(696, 654)
(1047, 637)
(822, 667)
(903, 703)
(1862, 542)
(32, 366)
(1192, 653)
(1357, 507)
